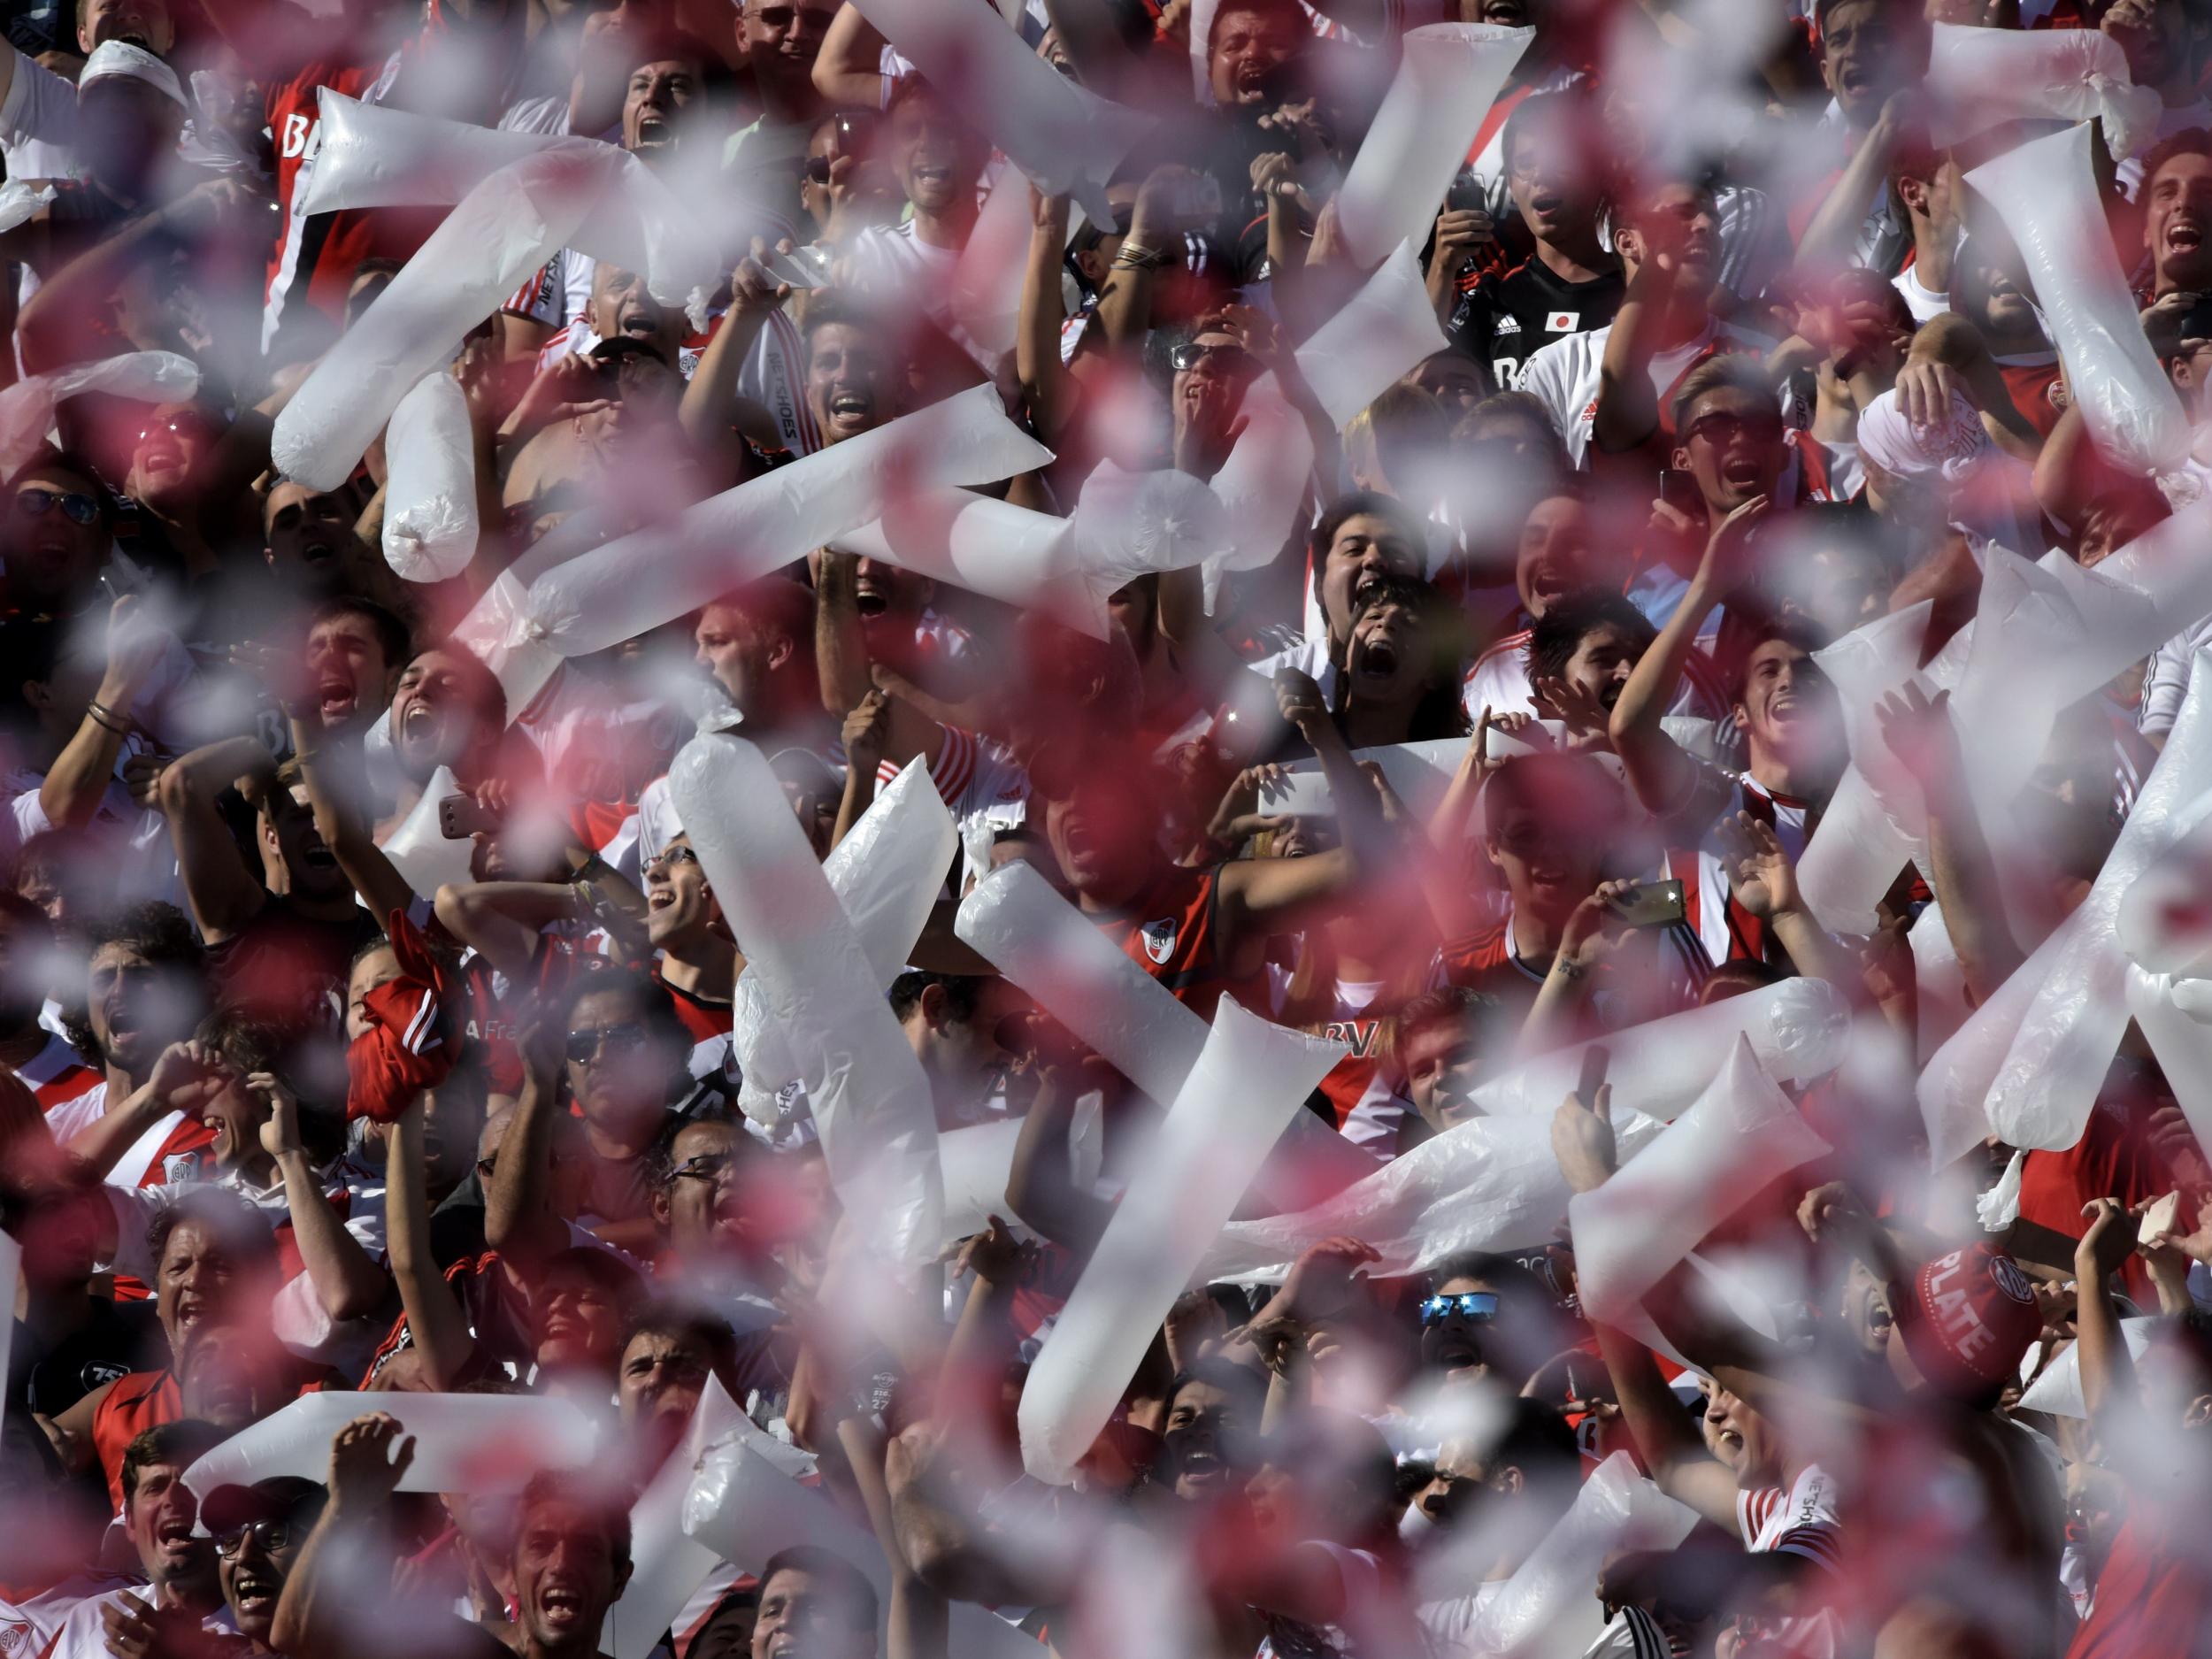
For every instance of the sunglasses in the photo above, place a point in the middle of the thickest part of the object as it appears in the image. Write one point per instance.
(1476, 1307)
(36, 503)
(272, 1535)
(1719, 429)
(1236, 358)
(586, 1046)
(708, 1166)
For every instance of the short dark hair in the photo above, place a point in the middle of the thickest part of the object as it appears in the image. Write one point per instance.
(1744, 628)
(1447, 1005)
(1246, 1385)
(485, 693)
(1907, 13)
(1537, 1441)
(2191, 140)
(835, 305)
(554, 1486)
(1363, 503)
(1538, 780)
(1559, 633)
(159, 933)
(855, 1592)
(180, 1442)
(392, 635)
(676, 1319)
(242, 1041)
(962, 991)
(602, 1267)
(243, 1229)
(774, 607)
(15, 907)
(1562, 116)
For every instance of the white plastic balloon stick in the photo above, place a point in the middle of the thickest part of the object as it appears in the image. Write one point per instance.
(1630, 1232)
(430, 521)
(1263, 482)
(27, 408)
(985, 294)
(1448, 76)
(747, 1504)
(869, 1097)
(473, 1443)
(2044, 1093)
(1046, 946)
(1068, 140)
(419, 849)
(501, 231)
(886, 874)
(2164, 922)
(1858, 849)
(1487, 1184)
(1012, 554)
(2045, 192)
(1249, 1080)
(1979, 78)
(1939, 983)
(629, 586)
(2180, 1042)
(1798, 1030)
(670, 1563)
(372, 155)
(1545, 1607)
(1386, 329)
(11, 1264)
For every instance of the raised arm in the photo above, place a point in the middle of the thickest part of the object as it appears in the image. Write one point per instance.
(711, 400)
(75, 784)
(849, 69)
(434, 1319)
(520, 1219)
(346, 1281)
(1661, 774)
(1043, 312)
(224, 894)
(506, 920)
(2109, 1386)
(342, 825)
(1040, 1188)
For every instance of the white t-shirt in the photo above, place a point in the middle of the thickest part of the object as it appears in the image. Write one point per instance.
(1923, 306)
(1564, 377)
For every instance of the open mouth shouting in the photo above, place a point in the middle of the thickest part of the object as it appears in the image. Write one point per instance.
(2184, 234)
(636, 322)
(850, 411)
(654, 131)
(561, 1607)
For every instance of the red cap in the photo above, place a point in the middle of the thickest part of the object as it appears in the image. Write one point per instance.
(1967, 1318)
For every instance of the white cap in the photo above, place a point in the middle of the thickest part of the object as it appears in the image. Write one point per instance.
(121, 57)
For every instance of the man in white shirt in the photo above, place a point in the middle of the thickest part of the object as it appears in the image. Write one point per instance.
(179, 1582)
(1611, 396)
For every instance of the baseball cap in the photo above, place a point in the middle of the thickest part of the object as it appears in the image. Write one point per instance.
(1967, 1318)
(279, 1498)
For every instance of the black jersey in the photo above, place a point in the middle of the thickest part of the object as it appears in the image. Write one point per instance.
(1504, 316)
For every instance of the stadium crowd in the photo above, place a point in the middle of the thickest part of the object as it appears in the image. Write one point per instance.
(370, 1022)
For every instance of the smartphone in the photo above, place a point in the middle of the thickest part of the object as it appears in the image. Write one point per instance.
(1650, 904)
(1595, 1059)
(1679, 491)
(462, 816)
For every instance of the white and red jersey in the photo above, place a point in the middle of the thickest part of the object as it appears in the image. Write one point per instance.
(1801, 1521)
(58, 1074)
(1563, 376)
(27, 1627)
(82, 1634)
(1362, 1089)
(1715, 927)
(167, 1152)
